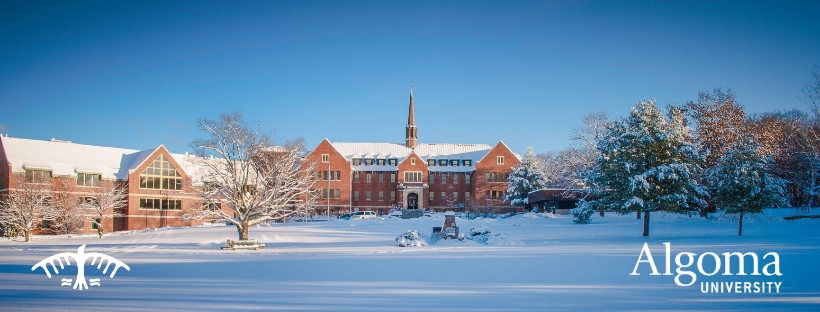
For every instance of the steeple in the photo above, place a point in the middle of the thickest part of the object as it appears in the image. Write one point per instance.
(410, 136)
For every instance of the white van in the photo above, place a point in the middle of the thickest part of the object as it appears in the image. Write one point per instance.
(364, 215)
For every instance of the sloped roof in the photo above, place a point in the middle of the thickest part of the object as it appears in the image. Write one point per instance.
(67, 159)
(434, 151)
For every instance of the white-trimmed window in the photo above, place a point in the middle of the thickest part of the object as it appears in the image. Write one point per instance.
(381, 177)
(466, 195)
(432, 195)
(368, 195)
(161, 175)
(455, 178)
(500, 160)
(381, 195)
(392, 178)
(88, 179)
(412, 176)
(38, 176)
(412, 161)
(368, 178)
(393, 195)
(355, 195)
(325, 158)
(467, 178)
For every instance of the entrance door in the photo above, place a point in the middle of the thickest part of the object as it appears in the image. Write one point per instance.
(412, 201)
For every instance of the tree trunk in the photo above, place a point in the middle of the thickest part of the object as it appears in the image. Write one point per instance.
(646, 223)
(740, 224)
(27, 237)
(99, 230)
(243, 230)
(704, 212)
(639, 214)
(601, 212)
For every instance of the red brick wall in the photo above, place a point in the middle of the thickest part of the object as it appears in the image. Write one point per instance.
(374, 187)
(420, 165)
(139, 219)
(5, 170)
(448, 188)
(336, 162)
(489, 164)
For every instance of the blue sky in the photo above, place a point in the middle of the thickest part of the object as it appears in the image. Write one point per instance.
(138, 74)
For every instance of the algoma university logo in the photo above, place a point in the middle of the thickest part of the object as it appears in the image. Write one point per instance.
(79, 258)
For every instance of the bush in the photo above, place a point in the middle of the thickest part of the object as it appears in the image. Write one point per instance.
(410, 239)
(582, 213)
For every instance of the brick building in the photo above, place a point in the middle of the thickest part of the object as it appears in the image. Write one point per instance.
(378, 176)
(156, 179)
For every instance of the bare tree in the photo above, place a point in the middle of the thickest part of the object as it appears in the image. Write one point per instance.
(105, 203)
(479, 206)
(247, 179)
(26, 206)
(69, 217)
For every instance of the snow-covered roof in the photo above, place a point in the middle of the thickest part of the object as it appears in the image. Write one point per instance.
(67, 159)
(472, 152)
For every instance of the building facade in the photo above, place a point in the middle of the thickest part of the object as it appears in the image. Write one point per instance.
(413, 175)
(157, 181)
(347, 176)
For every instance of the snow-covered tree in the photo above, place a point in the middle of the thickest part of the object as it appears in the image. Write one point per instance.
(247, 179)
(69, 217)
(525, 178)
(648, 163)
(26, 207)
(582, 213)
(105, 203)
(741, 183)
(718, 121)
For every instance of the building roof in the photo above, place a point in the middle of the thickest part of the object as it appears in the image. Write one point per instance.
(67, 159)
(472, 152)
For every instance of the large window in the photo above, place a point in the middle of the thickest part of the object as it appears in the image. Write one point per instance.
(38, 176)
(88, 179)
(412, 176)
(160, 204)
(161, 175)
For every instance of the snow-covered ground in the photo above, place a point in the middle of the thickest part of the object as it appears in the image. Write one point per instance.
(529, 262)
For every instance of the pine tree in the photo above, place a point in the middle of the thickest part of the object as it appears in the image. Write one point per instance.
(741, 183)
(648, 163)
(525, 178)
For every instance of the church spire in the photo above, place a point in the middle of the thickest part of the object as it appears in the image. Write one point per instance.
(410, 136)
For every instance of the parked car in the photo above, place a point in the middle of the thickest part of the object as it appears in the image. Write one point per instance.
(364, 215)
(347, 216)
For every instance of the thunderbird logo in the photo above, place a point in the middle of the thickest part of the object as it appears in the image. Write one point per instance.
(80, 257)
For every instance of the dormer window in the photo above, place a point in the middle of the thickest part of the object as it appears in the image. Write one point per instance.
(393, 162)
(380, 162)
(368, 161)
(357, 161)
(442, 162)
(467, 162)
(431, 162)
(454, 162)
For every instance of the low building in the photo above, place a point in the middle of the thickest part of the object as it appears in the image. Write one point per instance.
(156, 179)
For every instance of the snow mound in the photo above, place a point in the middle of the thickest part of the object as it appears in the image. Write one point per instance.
(410, 239)
(479, 230)
(481, 234)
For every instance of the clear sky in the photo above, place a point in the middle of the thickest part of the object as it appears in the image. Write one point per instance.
(138, 74)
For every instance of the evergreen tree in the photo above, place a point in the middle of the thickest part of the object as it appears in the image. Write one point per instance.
(740, 183)
(525, 178)
(648, 163)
